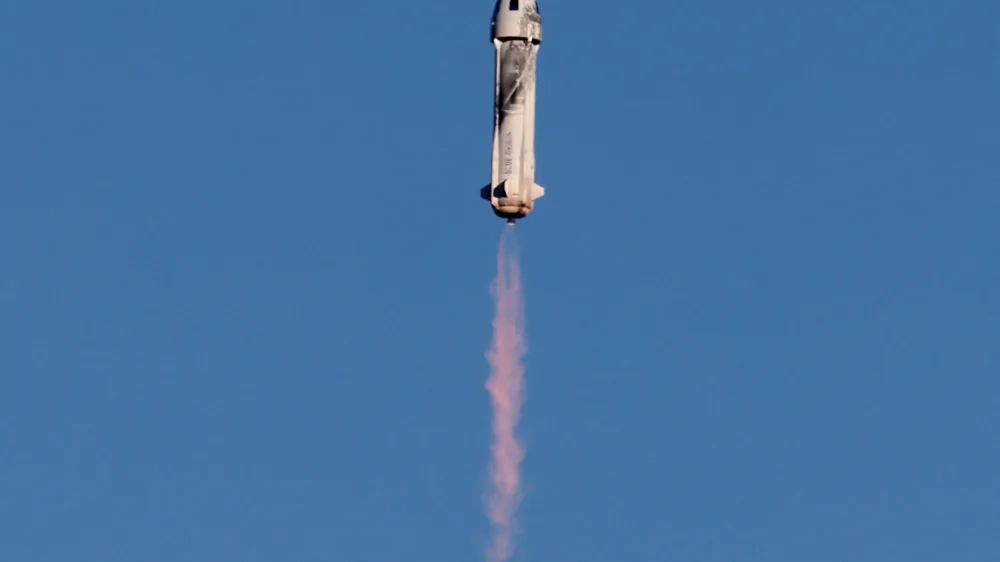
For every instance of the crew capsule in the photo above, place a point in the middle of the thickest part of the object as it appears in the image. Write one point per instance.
(516, 19)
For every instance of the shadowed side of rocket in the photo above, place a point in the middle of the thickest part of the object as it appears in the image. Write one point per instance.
(516, 32)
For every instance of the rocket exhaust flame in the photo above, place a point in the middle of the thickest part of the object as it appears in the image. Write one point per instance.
(506, 388)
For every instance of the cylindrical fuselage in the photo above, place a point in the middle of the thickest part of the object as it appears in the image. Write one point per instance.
(516, 35)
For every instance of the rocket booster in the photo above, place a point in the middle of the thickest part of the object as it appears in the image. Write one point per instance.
(516, 32)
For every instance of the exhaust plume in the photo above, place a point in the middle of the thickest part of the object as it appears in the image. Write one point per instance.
(506, 388)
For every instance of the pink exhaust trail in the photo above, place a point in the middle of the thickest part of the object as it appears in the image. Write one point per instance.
(506, 388)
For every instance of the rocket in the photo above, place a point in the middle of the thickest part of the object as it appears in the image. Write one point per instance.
(516, 32)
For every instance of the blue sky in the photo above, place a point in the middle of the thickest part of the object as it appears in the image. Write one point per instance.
(245, 290)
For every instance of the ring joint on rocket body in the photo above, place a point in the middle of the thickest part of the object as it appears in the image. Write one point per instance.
(516, 33)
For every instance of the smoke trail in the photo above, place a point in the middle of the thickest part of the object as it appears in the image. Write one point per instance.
(506, 388)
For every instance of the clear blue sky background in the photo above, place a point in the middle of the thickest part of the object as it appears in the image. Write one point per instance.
(245, 275)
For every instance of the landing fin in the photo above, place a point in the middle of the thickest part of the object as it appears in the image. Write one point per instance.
(489, 191)
(537, 191)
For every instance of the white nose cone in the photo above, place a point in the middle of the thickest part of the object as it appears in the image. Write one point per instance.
(517, 19)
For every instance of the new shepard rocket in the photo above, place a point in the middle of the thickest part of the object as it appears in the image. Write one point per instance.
(516, 31)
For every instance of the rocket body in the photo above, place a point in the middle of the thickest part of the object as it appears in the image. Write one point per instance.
(516, 32)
